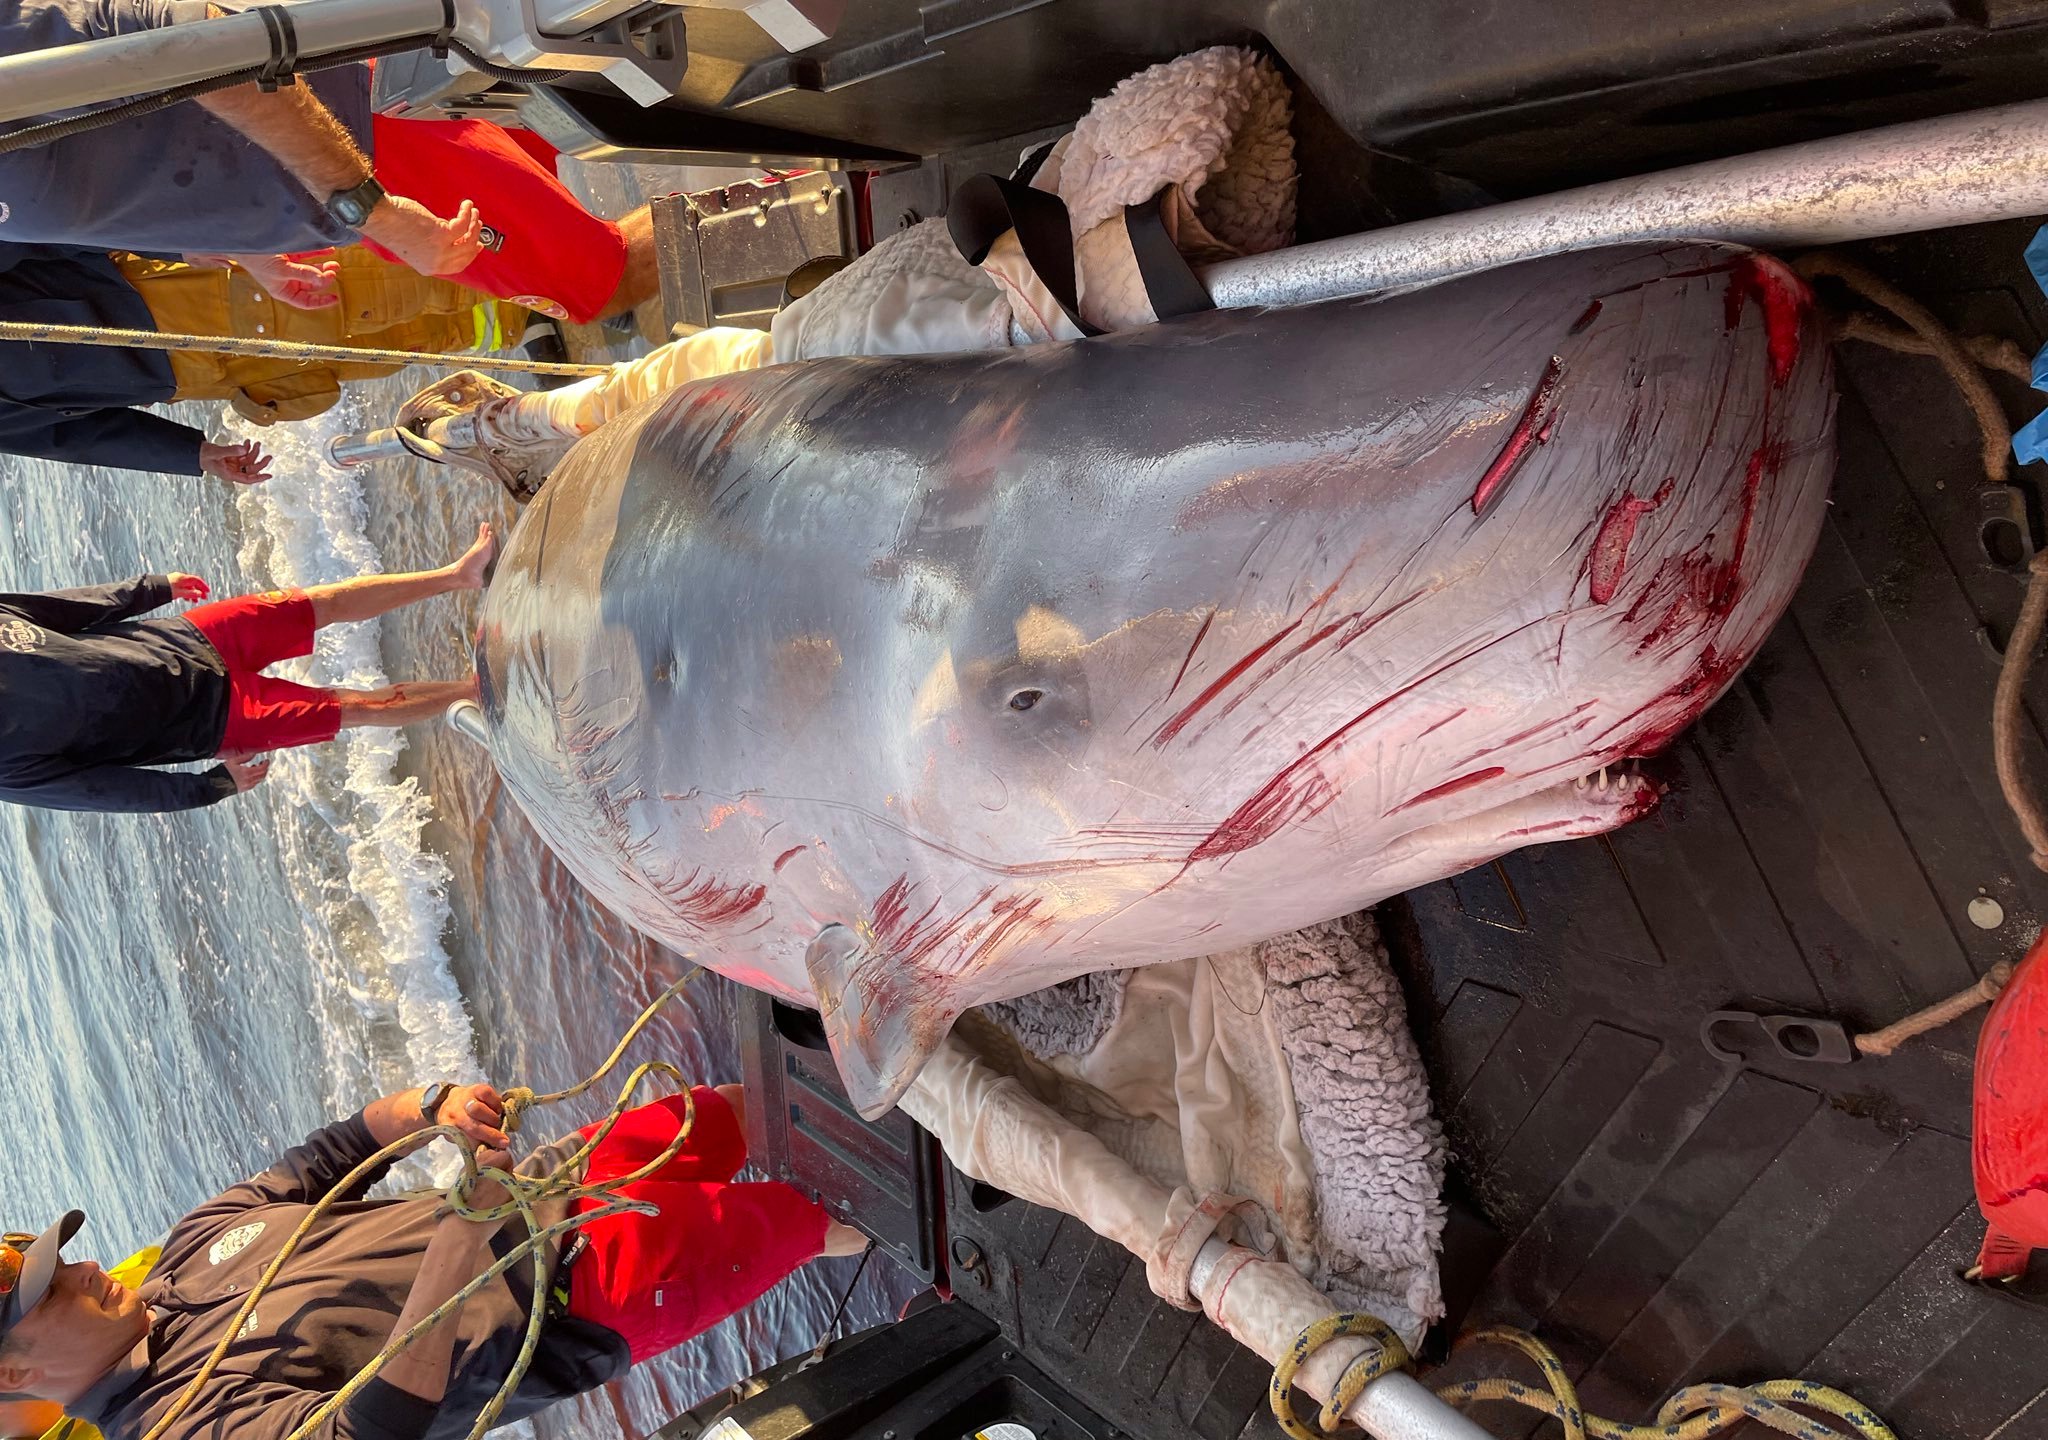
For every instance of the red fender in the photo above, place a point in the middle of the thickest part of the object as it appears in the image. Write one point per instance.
(2009, 1126)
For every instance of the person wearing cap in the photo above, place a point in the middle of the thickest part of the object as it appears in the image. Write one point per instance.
(621, 1289)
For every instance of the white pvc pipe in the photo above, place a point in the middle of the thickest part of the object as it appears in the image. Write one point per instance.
(1958, 170)
(65, 77)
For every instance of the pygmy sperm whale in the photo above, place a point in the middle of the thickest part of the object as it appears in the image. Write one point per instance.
(895, 686)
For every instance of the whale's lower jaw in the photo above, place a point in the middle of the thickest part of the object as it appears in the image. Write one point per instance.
(884, 1019)
(1573, 810)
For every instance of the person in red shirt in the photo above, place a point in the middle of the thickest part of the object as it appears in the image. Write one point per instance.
(633, 1285)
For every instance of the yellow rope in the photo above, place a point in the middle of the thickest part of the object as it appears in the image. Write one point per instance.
(1694, 1413)
(1361, 1372)
(278, 349)
(526, 1192)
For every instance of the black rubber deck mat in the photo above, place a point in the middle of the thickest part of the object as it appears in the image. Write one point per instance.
(1668, 1216)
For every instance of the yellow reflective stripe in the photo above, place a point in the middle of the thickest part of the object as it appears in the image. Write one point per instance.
(489, 334)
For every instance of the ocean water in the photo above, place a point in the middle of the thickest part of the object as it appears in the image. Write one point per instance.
(188, 994)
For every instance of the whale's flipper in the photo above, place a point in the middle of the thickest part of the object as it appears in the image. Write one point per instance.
(882, 1024)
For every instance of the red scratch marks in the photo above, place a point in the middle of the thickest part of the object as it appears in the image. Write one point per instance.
(1783, 298)
(1296, 793)
(1764, 462)
(1164, 735)
(1450, 787)
(788, 855)
(1188, 659)
(1592, 313)
(708, 903)
(1014, 918)
(1696, 589)
(1548, 825)
(912, 942)
(1350, 625)
(1663, 719)
(891, 906)
(1301, 791)
(1531, 430)
(1441, 723)
(1610, 546)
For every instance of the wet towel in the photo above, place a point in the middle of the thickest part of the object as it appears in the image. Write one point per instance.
(1283, 1072)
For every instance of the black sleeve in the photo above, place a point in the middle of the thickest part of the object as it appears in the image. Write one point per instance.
(127, 789)
(238, 1407)
(70, 611)
(302, 1175)
(117, 436)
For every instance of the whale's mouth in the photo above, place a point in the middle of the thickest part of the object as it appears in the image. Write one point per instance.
(1623, 785)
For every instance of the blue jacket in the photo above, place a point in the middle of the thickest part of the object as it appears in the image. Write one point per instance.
(170, 183)
(70, 402)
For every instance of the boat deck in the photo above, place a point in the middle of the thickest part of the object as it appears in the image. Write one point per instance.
(1662, 1216)
(1659, 1214)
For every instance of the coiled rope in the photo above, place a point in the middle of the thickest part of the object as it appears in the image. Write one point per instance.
(1368, 1367)
(1694, 1413)
(526, 1194)
(1926, 335)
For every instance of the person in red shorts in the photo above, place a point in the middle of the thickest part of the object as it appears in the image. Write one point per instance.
(92, 697)
(623, 1288)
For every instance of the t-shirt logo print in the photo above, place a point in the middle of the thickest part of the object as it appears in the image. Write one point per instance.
(21, 637)
(234, 1242)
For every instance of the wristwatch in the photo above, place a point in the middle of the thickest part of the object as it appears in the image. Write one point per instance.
(432, 1098)
(352, 207)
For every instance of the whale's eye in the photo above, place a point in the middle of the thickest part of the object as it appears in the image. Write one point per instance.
(1025, 699)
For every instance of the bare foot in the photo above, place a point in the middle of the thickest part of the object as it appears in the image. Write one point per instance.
(469, 572)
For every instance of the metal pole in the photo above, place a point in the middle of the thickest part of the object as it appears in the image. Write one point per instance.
(303, 352)
(1957, 170)
(1394, 1407)
(40, 82)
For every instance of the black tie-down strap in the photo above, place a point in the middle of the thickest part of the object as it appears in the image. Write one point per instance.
(282, 66)
(1170, 281)
(986, 206)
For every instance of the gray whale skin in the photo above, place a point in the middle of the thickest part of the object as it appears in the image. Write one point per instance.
(895, 686)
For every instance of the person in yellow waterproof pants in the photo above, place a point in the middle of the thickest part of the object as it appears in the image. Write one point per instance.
(81, 404)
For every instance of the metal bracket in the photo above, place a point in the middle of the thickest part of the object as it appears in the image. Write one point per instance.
(1795, 1037)
(2005, 532)
(793, 24)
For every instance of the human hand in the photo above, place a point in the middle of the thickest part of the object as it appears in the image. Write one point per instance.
(247, 771)
(488, 1194)
(187, 587)
(301, 284)
(478, 1112)
(422, 239)
(242, 463)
